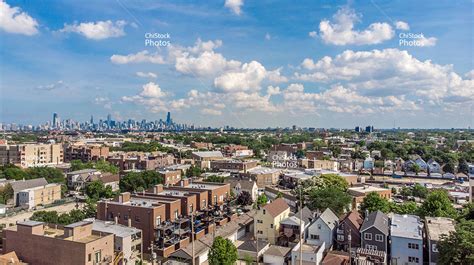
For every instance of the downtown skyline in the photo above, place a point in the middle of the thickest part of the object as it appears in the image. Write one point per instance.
(240, 63)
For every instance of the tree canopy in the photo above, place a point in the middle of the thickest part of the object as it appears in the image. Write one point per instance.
(101, 165)
(244, 198)
(329, 197)
(97, 190)
(438, 204)
(374, 202)
(135, 181)
(222, 252)
(458, 247)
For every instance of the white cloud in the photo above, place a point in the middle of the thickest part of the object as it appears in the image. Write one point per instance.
(146, 75)
(341, 30)
(53, 86)
(427, 42)
(140, 57)
(235, 6)
(13, 20)
(152, 90)
(247, 78)
(470, 74)
(313, 34)
(401, 25)
(97, 30)
(151, 96)
(271, 90)
(268, 36)
(211, 111)
(389, 72)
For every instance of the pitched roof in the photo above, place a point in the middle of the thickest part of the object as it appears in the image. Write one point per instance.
(28, 184)
(108, 177)
(377, 219)
(329, 218)
(244, 184)
(336, 258)
(307, 215)
(277, 251)
(276, 207)
(355, 218)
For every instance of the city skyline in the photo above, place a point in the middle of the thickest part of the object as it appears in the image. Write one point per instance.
(244, 64)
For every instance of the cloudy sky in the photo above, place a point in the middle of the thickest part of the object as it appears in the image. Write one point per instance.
(239, 62)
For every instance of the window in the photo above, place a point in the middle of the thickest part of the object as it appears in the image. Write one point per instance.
(260, 232)
(176, 214)
(97, 257)
(413, 259)
(271, 225)
(368, 236)
(158, 220)
(371, 247)
(125, 217)
(434, 248)
(89, 257)
(263, 211)
(340, 238)
(379, 237)
(259, 222)
(413, 246)
(215, 199)
(137, 218)
(319, 226)
(314, 237)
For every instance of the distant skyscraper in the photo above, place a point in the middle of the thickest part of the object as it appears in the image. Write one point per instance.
(55, 120)
(109, 121)
(358, 129)
(168, 119)
(369, 129)
(92, 119)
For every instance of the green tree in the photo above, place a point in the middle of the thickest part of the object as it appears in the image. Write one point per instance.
(45, 216)
(329, 197)
(468, 211)
(405, 208)
(463, 167)
(244, 198)
(262, 200)
(449, 167)
(52, 175)
(458, 246)
(419, 191)
(332, 180)
(96, 190)
(438, 204)
(373, 202)
(135, 181)
(193, 171)
(222, 252)
(216, 179)
(6, 193)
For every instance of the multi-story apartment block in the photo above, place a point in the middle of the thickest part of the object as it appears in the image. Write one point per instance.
(31, 155)
(127, 241)
(85, 152)
(406, 239)
(234, 150)
(267, 220)
(233, 165)
(76, 244)
(264, 176)
(170, 177)
(140, 161)
(42, 195)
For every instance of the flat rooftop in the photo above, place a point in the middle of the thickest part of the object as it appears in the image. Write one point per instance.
(116, 229)
(174, 193)
(437, 226)
(366, 189)
(263, 170)
(406, 226)
(202, 185)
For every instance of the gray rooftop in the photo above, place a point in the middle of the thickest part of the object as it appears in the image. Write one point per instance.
(378, 220)
(29, 223)
(208, 154)
(329, 218)
(406, 226)
(82, 171)
(28, 184)
(437, 226)
(116, 229)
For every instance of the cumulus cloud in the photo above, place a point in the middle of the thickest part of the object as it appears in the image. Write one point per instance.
(97, 30)
(247, 78)
(341, 30)
(146, 75)
(140, 57)
(235, 6)
(13, 20)
(151, 96)
(401, 25)
(427, 42)
(313, 34)
(389, 72)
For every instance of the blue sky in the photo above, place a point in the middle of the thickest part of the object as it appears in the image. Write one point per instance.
(241, 63)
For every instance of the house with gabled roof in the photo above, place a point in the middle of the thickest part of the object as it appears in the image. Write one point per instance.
(267, 220)
(323, 229)
(374, 232)
(349, 225)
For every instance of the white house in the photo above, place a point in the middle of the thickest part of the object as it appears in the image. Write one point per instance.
(406, 234)
(311, 254)
(322, 230)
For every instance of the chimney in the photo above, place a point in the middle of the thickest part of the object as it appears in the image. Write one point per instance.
(116, 220)
(158, 188)
(124, 197)
(366, 214)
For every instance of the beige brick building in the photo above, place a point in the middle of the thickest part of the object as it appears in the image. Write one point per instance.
(41, 195)
(31, 155)
(75, 244)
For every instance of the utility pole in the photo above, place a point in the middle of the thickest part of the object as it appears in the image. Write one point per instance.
(301, 229)
(192, 237)
(349, 238)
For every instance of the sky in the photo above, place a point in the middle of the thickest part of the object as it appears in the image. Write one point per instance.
(242, 63)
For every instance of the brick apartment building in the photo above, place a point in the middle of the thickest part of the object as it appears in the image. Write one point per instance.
(233, 165)
(42, 195)
(75, 244)
(85, 153)
(141, 161)
(31, 155)
(170, 177)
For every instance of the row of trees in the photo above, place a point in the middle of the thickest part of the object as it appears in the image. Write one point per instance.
(152, 146)
(52, 175)
(100, 165)
(138, 181)
(73, 216)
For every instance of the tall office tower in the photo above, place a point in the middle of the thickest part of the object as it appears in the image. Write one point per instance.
(168, 119)
(109, 121)
(92, 119)
(369, 129)
(54, 124)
